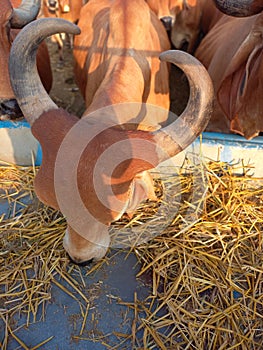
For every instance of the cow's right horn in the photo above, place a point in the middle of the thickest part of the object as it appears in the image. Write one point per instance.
(175, 137)
(239, 8)
(25, 13)
(29, 91)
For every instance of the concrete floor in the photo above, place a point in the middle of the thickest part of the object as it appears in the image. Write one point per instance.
(106, 316)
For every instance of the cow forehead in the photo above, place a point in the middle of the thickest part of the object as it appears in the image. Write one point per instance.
(165, 7)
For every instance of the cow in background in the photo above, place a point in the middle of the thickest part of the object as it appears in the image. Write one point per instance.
(118, 70)
(232, 52)
(66, 9)
(14, 15)
(166, 10)
(195, 20)
(109, 54)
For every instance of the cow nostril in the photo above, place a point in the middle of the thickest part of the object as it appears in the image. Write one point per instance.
(9, 109)
(167, 22)
(52, 5)
(80, 263)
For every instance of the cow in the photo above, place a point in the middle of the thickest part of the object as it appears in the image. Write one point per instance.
(194, 21)
(97, 47)
(232, 52)
(95, 168)
(166, 10)
(66, 9)
(14, 15)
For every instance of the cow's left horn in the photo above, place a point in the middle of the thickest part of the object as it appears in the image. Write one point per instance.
(29, 91)
(25, 13)
(239, 8)
(175, 137)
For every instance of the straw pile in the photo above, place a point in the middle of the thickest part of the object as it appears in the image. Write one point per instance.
(206, 266)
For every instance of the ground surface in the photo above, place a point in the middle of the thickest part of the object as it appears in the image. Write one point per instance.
(64, 90)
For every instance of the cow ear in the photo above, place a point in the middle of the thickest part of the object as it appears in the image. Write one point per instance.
(142, 189)
(235, 81)
(240, 96)
(229, 90)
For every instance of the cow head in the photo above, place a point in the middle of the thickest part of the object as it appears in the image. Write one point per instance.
(166, 10)
(78, 175)
(187, 27)
(58, 5)
(12, 18)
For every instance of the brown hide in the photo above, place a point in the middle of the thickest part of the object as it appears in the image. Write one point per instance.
(197, 17)
(7, 36)
(119, 181)
(6, 91)
(232, 53)
(50, 142)
(117, 55)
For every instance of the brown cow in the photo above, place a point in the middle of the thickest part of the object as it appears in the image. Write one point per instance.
(166, 10)
(194, 21)
(94, 168)
(104, 43)
(233, 53)
(13, 15)
(66, 9)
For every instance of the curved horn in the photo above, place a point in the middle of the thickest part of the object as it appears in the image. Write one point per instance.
(239, 8)
(29, 91)
(25, 13)
(175, 137)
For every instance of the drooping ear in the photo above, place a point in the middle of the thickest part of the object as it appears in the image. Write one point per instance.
(239, 84)
(232, 85)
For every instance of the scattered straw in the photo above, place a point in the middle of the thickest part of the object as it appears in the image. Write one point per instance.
(31, 254)
(207, 277)
(206, 264)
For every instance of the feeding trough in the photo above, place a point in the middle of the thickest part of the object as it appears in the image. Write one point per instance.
(17, 144)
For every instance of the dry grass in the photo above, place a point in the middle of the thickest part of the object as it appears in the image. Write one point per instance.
(206, 264)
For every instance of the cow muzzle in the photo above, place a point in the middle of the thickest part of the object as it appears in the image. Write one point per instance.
(52, 6)
(82, 251)
(79, 262)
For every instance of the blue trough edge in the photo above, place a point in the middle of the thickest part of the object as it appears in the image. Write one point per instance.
(212, 138)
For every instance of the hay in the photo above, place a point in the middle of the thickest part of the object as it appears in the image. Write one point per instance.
(208, 278)
(206, 266)
(31, 254)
